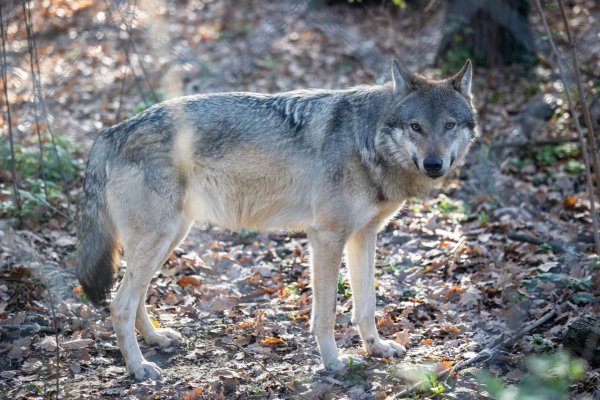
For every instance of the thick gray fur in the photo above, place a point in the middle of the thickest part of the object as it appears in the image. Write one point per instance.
(334, 163)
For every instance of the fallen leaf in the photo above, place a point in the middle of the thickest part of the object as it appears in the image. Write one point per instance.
(187, 280)
(193, 394)
(65, 241)
(570, 202)
(47, 344)
(77, 344)
(403, 337)
(470, 297)
(272, 340)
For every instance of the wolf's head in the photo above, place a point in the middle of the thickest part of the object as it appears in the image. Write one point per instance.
(430, 124)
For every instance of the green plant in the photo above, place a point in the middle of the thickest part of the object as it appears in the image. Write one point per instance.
(594, 262)
(548, 155)
(483, 217)
(343, 286)
(60, 168)
(574, 167)
(548, 377)
(546, 248)
(519, 163)
(399, 3)
(567, 150)
(531, 89)
(539, 342)
(451, 208)
(152, 99)
(454, 59)
(32, 388)
(244, 235)
(583, 298)
(357, 370)
(432, 385)
(545, 155)
(268, 62)
(575, 284)
(293, 288)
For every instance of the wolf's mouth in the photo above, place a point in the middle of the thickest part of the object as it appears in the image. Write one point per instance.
(434, 175)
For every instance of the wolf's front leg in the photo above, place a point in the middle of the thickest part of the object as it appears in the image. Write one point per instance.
(360, 253)
(326, 256)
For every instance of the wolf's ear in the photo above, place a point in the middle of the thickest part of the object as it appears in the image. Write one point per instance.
(400, 78)
(462, 80)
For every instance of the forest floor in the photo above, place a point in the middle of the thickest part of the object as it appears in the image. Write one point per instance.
(456, 270)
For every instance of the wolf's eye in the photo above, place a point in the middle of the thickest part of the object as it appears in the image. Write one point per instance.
(415, 127)
(450, 125)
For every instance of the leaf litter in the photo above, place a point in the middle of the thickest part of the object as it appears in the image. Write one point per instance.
(450, 281)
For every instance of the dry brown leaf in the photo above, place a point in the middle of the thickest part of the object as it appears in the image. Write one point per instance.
(187, 280)
(77, 344)
(272, 340)
(570, 202)
(403, 337)
(193, 394)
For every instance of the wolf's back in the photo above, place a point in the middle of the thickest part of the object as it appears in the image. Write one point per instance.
(98, 246)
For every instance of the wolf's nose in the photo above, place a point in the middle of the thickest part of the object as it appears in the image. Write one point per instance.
(433, 163)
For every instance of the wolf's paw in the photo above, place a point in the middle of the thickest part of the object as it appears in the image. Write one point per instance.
(163, 337)
(343, 362)
(385, 348)
(146, 370)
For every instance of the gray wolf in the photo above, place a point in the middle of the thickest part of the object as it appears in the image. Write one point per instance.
(336, 164)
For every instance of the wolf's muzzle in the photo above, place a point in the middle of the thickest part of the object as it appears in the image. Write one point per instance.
(433, 166)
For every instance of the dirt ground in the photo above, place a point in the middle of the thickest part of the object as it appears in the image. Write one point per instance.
(453, 274)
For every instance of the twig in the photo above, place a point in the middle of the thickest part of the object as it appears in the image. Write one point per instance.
(36, 78)
(57, 343)
(130, 45)
(264, 367)
(586, 157)
(28, 329)
(50, 206)
(13, 171)
(37, 258)
(28, 28)
(429, 6)
(586, 112)
(520, 237)
(484, 355)
(122, 92)
(125, 47)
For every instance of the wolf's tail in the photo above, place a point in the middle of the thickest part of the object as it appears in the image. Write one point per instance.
(98, 245)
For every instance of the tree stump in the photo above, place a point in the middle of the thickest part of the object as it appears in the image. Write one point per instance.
(583, 339)
(494, 33)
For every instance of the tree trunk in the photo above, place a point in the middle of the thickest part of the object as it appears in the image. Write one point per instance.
(494, 33)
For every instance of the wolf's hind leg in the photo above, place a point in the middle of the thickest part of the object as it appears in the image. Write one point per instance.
(162, 337)
(360, 254)
(146, 244)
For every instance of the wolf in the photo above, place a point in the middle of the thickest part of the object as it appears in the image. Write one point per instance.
(336, 164)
